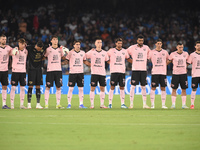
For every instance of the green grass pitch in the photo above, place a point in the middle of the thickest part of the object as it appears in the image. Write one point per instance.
(112, 129)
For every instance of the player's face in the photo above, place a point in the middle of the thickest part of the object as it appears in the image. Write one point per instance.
(98, 43)
(38, 48)
(77, 46)
(197, 47)
(180, 48)
(140, 41)
(3, 40)
(158, 45)
(54, 41)
(21, 45)
(119, 44)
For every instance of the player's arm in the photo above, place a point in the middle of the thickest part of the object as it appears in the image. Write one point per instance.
(87, 63)
(65, 62)
(169, 61)
(130, 60)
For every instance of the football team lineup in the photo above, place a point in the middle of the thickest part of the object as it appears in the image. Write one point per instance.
(137, 54)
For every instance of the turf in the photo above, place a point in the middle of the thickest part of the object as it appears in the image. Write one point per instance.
(113, 129)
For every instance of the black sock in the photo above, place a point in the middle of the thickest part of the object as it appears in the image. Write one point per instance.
(29, 94)
(38, 95)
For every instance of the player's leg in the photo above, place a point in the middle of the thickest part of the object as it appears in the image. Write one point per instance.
(195, 82)
(184, 86)
(134, 81)
(71, 84)
(14, 83)
(49, 84)
(174, 85)
(58, 83)
(163, 84)
(113, 83)
(143, 82)
(154, 84)
(31, 82)
(80, 84)
(93, 84)
(22, 80)
(102, 82)
(4, 82)
(38, 82)
(122, 93)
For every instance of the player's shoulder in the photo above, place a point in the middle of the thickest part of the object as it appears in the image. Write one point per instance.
(186, 53)
(82, 51)
(146, 46)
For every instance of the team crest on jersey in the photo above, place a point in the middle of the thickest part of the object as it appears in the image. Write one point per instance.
(123, 53)
(103, 55)
(184, 55)
(73, 54)
(163, 54)
(94, 54)
(144, 49)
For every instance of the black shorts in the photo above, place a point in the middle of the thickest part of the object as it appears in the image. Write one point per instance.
(98, 78)
(179, 79)
(139, 76)
(158, 79)
(35, 77)
(4, 78)
(76, 78)
(117, 78)
(18, 77)
(195, 82)
(54, 76)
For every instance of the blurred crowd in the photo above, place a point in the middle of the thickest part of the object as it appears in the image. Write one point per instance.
(53, 19)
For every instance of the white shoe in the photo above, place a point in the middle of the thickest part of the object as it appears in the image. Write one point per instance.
(164, 107)
(130, 107)
(12, 107)
(38, 106)
(152, 106)
(22, 107)
(29, 106)
(146, 106)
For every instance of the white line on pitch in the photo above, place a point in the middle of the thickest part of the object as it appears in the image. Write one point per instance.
(107, 124)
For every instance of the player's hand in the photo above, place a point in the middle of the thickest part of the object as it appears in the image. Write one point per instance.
(15, 51)
(64, 49)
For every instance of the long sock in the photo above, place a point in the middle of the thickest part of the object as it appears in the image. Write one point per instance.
(12, 95)
(144, 95)
(69, 95)
(193, 95)
(110, 96)
(173, 100)
(102, 97)
(38, 93)
(152, 96)
(92, 98)
(80, 95)
(4, 96)
(183, 100)
(132, 93)
(122, 96)
(29, 95)
(58, 96)
(163, 97)
(22, 94)
(46, 96)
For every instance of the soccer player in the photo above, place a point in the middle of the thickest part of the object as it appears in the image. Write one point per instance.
(5, 51)
(35, 63)
(19, 56)
(179, 59)
(54, 71)
(139, 53)
(98, 58)
(159, 59)
(194, 59)
(117, 56)
(76, 58)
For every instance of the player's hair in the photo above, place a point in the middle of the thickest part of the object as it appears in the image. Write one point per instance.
(21, 40)
(140, 36)
(97, 38)
(40, 44)
(197, 42)
(2, 36)
(76, 41)
(179, 43)
(158, 40)
(54, 36)
(118, 39)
